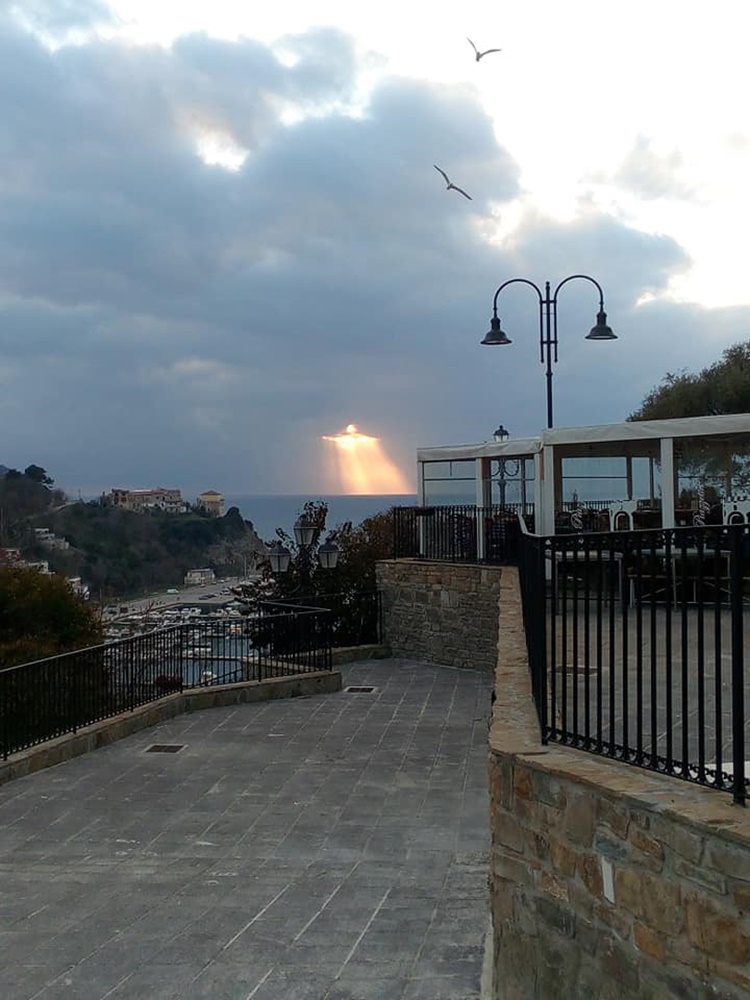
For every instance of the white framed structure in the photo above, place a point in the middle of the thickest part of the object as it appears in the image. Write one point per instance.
(663, 473)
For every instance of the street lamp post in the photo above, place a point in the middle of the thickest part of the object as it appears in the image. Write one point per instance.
(548, 325)
(501, 435)
(305, 530)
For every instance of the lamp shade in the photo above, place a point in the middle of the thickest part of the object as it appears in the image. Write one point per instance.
(501, 434)
(601, 331)
(304, 530)
(328, 554)
(279, 557)
(496, 336)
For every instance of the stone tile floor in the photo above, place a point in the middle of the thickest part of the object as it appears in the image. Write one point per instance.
(326, 848)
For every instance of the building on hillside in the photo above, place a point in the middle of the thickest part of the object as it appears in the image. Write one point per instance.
(41, 565)
(77, 585)
(157, 498)
(211, 502)
(195, 577)
(47, 538)
(10, 557)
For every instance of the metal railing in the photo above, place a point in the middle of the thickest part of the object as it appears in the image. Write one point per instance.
(355, 616)
(460, 533)
(636, 647)
(58, 695)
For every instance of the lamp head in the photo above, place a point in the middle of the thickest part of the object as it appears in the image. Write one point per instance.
(501, 434)
(304, 530)
(601, 331)
(328, 554)
(496, 335)
(279, 557)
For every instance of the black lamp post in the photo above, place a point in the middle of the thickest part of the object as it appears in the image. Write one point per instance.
(501, 435)
(548, 325)
(305, 530)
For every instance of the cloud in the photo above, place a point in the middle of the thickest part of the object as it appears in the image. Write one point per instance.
(165, 319)
(650, 175)
(60, 19)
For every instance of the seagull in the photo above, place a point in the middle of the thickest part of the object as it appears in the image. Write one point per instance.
(451, 186)
(477, 52)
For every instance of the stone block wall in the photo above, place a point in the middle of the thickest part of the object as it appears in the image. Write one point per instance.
(440, 612)
(606, 881)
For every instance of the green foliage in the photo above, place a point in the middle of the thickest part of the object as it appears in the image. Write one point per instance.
(122, 552)
(361, 547)
(23, 496)
(38, 475)
(41, 616)
(723, 387)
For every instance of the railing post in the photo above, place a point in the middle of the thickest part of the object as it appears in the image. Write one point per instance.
(737, 537)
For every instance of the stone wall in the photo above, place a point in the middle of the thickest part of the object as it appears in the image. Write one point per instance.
(606, 881)
(440, 612)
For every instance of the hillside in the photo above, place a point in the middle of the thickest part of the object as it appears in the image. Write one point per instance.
(119, 552)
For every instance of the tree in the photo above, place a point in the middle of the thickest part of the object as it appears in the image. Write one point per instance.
(348, 590)
(723, 387)
(38, 475)
(41, 616)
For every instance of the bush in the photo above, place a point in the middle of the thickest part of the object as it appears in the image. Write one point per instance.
(41, 616)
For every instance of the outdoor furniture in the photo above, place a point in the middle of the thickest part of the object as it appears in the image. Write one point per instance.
(685, 576)
(621, 515)
(575, 572)
(735, 510)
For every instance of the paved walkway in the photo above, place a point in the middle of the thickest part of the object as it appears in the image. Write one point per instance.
(327, 848)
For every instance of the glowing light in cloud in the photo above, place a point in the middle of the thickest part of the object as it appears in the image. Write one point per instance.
(361, 465)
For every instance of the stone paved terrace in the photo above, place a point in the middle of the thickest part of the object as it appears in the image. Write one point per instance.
(326, 848)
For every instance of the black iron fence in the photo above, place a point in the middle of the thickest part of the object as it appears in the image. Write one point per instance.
(460, 533)
(636, 646)
(48, 698)
(355, 617)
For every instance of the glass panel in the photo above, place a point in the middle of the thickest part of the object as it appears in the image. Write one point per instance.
(446, 491)
(507, 479)
(711, 474)
(594, 478)
(464, 469)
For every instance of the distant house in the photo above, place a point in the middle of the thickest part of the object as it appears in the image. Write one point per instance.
(50, 540)
(13, 557)
(157, 498)
(77, 585)
(211, 502)
(194, 577)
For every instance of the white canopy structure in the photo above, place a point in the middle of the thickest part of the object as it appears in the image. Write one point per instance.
(660, 472)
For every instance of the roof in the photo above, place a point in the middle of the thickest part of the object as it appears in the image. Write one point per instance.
(631, 436)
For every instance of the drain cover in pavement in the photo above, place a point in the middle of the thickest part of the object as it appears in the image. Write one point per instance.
(360, 690)
(165, 748)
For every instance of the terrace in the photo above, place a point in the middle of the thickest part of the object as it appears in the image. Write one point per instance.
(328, 848)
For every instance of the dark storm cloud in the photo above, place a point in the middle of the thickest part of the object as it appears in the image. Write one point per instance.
(179, 322)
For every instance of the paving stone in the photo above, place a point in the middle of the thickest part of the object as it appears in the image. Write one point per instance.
(331, 860)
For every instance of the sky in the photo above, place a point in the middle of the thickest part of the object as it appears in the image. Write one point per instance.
(223, 239)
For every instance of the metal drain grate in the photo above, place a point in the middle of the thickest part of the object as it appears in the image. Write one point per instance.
(360, 690)
(165, 748)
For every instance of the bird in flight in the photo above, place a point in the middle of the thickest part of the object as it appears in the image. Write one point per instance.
(450, 185)
(479, 54)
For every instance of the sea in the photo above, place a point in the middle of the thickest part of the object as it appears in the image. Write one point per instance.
(268, 513)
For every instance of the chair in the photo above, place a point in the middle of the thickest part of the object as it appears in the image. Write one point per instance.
(621, 516)
(735, 510)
